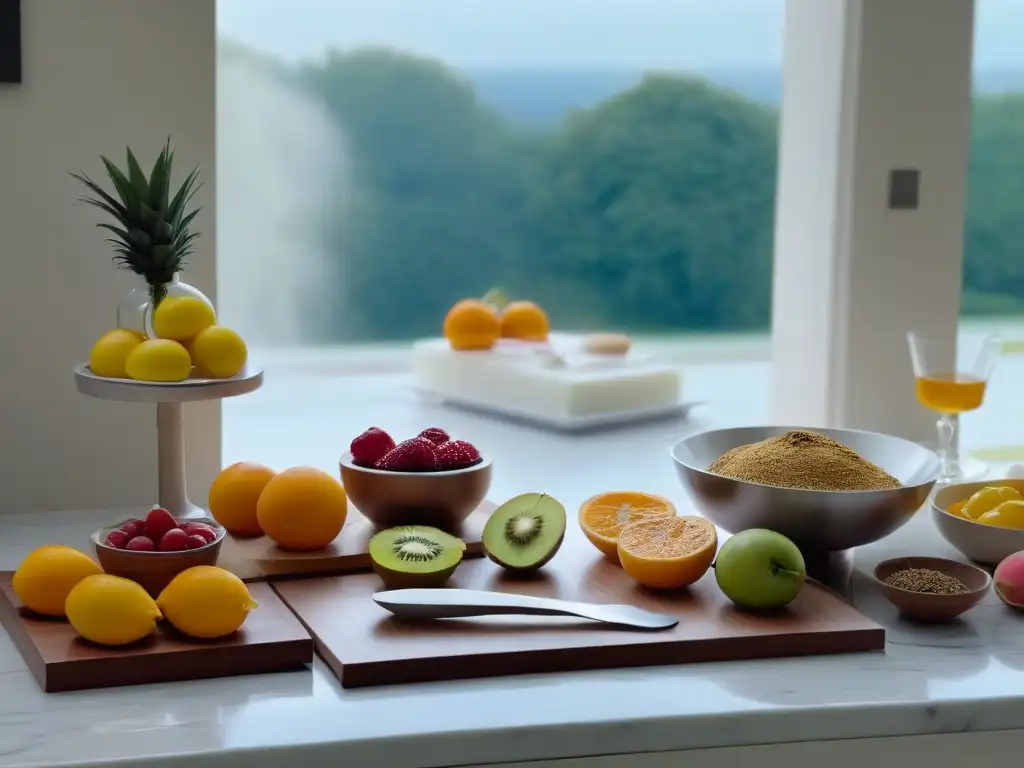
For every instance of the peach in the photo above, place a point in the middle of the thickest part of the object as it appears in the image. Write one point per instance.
(1009, 580)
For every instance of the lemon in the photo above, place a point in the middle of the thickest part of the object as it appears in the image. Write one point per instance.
(111, 351)
(159, 360)
(109, 610)
(46, 577)
(218, 352)
(1009, 514)
(988, 499)
(206, 602)
(179, 318)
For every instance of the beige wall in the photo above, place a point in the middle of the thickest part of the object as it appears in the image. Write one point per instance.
(98, 75)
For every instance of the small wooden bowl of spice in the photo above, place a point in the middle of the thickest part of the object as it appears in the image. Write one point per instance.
(931, 588)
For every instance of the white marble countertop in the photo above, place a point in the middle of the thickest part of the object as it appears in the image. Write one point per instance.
(970, 679)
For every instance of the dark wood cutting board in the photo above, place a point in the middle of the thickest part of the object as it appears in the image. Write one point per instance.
(259, 558)
(272, 640)
(364, 645)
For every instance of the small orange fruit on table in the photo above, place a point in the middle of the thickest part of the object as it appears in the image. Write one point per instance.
(302, 509)
(235, 494)
(472, 324)
(525, 321)
(603, 517)
(668, 552)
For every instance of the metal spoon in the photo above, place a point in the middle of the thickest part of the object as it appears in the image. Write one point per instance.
(463, 603)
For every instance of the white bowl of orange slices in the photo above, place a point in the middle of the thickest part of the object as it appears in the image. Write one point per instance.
(972, 518)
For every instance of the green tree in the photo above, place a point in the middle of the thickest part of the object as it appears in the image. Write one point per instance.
(658, 206)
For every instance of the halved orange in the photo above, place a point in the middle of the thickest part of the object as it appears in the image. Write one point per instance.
(668, 552)
(603, 517)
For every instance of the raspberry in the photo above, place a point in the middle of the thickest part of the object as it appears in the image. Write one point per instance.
(195, 541)
(371, 446)
(436, 435)
(117, 539)
(158, 522)
(457, 454)
(415, 455)
(202, 530)
(141, 544)
(134, 528)
(175, 540)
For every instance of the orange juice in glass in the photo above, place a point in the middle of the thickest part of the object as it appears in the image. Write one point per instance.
(950, 389)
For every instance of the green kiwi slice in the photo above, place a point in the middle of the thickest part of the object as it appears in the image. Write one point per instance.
(415, 556)
(525, 532)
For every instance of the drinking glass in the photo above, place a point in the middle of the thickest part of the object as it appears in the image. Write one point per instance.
(951, 378)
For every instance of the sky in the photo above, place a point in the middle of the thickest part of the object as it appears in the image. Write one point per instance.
(604, 34)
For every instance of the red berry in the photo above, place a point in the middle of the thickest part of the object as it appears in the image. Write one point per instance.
(205, 532)
(457, 454)
(141, 544)
(436, 435)
(195, 541)
(371, 446)
(415, 455)
(134, 528)
(117, 539)
(158, 522)
(175, 540)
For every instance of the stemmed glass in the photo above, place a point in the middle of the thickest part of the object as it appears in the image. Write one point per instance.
(951, 383)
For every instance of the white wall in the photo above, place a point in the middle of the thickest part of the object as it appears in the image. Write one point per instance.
(871, 85)
(97, 75)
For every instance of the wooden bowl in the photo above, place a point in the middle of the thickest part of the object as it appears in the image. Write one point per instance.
(154, 570)
(440, 499)
(982, 543)
(925, 606)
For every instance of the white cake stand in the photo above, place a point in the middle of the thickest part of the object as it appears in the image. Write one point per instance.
(172, 492)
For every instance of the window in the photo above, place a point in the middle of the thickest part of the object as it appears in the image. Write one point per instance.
(993, 274)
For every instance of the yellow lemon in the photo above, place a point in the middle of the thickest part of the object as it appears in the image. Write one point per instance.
(206, 602)
(109, 610)
(111, 351)
(159, 360)
(988, 499)
(1009, 514)
(218, 352)
(46, 577)
(181, 317)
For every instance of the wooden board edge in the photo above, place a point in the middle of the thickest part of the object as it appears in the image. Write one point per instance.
(574, 659)
(10, 619)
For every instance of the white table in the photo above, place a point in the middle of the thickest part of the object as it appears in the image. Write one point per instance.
(733, 712)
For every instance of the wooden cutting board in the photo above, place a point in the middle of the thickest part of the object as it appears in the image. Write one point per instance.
(259, 558)
(364, 645)
(272, 640)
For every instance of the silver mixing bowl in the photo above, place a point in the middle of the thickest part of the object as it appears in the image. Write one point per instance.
(827, 521)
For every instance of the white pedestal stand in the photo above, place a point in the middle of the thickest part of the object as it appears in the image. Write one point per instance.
(172, 493)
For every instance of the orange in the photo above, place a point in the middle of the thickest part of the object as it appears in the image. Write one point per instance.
(668, 552)
(234, 495)
(987, 499)
(302, 509)
(603, 517)
(957, 508)
(472, 325)
(524, 320)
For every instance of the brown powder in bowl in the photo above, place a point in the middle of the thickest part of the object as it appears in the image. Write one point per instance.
(803, 460)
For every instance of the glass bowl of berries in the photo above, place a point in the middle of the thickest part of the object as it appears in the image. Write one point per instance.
(431, 479)
(154, 550)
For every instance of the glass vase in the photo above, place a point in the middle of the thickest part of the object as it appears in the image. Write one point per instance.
(134, 310)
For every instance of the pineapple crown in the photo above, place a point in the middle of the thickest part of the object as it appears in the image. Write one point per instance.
(152, 230)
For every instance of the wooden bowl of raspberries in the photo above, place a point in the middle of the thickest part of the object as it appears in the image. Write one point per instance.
(430, 479)
(153, 551)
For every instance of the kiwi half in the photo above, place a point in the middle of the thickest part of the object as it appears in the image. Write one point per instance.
(525, 532)
(414, 556)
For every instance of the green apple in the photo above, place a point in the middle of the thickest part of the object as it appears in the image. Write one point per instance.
(758, 568)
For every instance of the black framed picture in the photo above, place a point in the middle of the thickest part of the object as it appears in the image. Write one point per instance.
(10, 41)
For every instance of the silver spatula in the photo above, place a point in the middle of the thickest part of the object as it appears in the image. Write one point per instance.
(463, 603)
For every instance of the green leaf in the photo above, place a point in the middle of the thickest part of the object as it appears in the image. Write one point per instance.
(123, 186)
(117, 231)
(188, 188)
(103, 206)
(160, 179)
(138, 179)
(119, 210)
